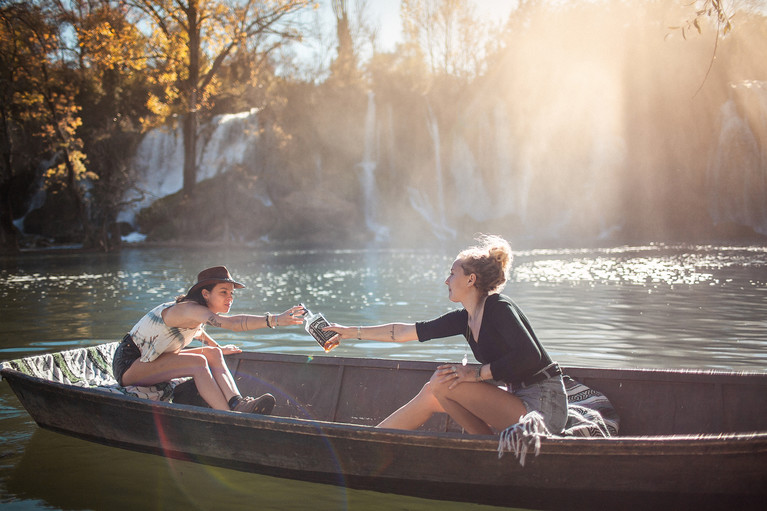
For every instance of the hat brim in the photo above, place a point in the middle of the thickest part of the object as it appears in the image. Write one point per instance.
(205, 282)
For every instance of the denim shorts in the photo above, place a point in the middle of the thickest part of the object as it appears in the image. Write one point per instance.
(547, 398)
(126, 353)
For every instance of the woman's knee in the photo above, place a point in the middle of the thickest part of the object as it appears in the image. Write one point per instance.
(214, 355)
(198, 364)
(437, 387)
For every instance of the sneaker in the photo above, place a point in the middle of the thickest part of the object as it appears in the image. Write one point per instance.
(262, 405)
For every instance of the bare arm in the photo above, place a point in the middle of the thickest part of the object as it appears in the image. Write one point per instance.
(390, 332)
(207, 340)
(190, 315)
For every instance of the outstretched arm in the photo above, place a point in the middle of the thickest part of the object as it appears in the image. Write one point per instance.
(190, 315)
(390, 332)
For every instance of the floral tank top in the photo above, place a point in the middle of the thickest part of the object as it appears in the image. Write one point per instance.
(153, 337)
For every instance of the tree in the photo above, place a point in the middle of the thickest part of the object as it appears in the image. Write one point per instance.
(192, 40)
(39, 96)
(17, 55)
(345, 64)
(447, 32)
(112, 67)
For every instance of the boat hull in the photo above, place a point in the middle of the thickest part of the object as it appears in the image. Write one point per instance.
(678, 471)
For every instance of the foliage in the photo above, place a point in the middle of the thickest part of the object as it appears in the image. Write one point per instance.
(38, 97)
(710, 9)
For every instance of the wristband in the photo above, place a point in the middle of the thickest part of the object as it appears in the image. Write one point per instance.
(269, 320)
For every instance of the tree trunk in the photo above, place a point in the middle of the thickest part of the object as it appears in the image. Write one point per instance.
(193, 81)
(9, 241)
(190, 152)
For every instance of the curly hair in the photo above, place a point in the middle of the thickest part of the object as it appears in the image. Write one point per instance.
(490, 261)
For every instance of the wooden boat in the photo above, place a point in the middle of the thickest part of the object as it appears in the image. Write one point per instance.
(689, 439)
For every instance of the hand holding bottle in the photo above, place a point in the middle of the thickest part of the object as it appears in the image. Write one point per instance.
(315, 324)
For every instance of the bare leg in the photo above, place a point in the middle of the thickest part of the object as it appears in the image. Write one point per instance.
(477, 406)
(219, 370)
(415, 412)
(176, 365)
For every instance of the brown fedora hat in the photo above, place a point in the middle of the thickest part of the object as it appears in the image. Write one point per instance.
(213, 275)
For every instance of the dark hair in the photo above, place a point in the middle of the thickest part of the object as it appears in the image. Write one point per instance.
(196, 295)
(490, 261)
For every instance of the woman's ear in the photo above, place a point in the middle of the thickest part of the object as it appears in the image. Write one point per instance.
(205, 295)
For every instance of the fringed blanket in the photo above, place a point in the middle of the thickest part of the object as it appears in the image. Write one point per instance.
(89, 368)
(589, 414)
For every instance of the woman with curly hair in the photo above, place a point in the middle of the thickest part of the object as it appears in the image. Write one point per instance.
(515, 376)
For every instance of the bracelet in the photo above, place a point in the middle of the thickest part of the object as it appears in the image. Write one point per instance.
(359, 335)
(269, 320)
(479, 374)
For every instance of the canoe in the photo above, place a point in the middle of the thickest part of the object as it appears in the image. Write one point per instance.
(688, 439)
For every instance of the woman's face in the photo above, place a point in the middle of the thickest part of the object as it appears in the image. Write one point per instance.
(220, 298)
(458, 283)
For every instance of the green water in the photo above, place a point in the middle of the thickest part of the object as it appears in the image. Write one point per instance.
(654, 306)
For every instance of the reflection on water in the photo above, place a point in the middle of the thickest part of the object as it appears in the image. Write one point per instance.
(653, 306)
(81, 475)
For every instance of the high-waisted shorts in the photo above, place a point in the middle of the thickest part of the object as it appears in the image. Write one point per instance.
(547, 398)
(126, 353)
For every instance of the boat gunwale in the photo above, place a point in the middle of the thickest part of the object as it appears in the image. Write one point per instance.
(604, 373)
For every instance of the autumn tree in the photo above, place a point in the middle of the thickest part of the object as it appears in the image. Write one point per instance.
(39, 94)
(192, 40)
(18, 55)
(112, 67)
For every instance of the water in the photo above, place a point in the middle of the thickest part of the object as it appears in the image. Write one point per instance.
(650, 306)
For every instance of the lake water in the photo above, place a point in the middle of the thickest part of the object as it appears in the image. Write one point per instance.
(650, 306)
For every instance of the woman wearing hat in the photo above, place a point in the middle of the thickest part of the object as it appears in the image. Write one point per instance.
(152, 353)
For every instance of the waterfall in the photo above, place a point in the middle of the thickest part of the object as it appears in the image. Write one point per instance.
(420, 202)
(38, 199)
(227, 142)
(368, 166)
(737, 172)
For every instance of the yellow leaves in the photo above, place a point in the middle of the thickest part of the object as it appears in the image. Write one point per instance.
(157, 106)
(77, 162)
(711, 10)
(108, 44)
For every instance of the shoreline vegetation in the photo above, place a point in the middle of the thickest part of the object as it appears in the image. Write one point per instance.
(750, 239)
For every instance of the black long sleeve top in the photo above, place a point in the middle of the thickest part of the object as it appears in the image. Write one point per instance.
(507, 341)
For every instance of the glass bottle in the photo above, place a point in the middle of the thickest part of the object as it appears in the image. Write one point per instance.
(314, 323)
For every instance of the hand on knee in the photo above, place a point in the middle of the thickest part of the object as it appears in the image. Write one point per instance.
(438, 386)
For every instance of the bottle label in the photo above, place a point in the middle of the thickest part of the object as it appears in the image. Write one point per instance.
(315, 329)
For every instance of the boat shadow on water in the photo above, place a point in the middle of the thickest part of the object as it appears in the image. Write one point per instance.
(64, 472)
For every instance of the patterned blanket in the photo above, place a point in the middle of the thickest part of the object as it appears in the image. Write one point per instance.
(89, 368)
(589, 414)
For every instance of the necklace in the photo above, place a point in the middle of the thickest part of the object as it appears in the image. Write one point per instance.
(481, 308)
